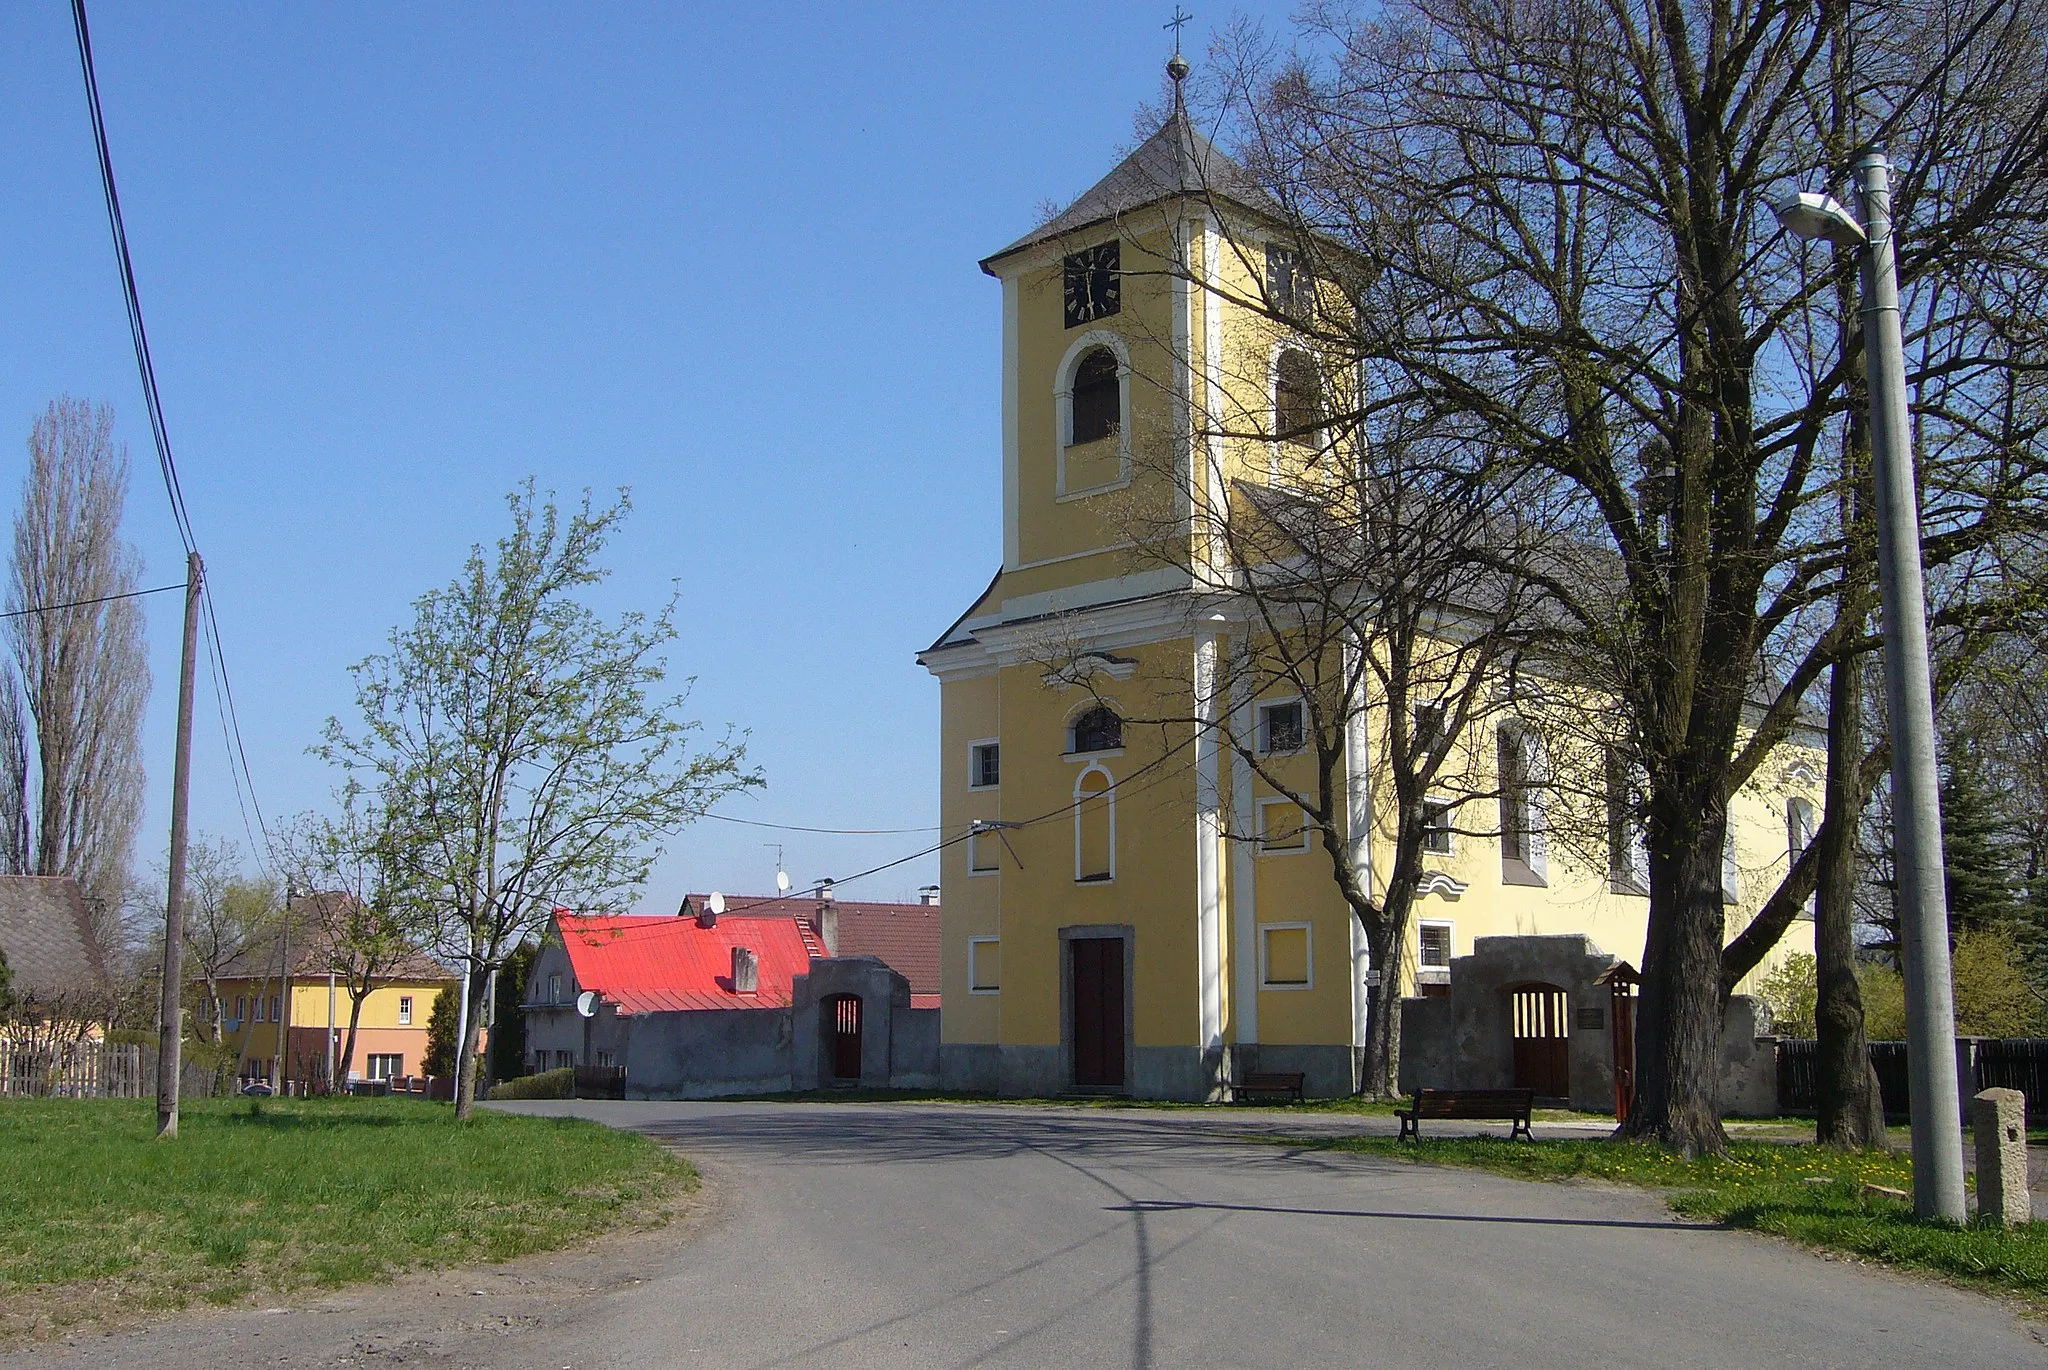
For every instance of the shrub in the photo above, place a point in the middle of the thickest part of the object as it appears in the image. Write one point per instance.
(549, 1084)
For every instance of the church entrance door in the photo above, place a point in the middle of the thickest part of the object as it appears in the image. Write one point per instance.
(1098, 978)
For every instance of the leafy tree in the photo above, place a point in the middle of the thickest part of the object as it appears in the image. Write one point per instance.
(514, 730)
(1791, 989)
(1993, 998)
(507, 1053)
(1884, 1001)
(1976, 850)
(441, 1022)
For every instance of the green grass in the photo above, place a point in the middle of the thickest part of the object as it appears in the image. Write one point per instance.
(1764, 1186)
(279, 1195)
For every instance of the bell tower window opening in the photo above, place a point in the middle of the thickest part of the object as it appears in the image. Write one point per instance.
(1297, 399)
(1098, 398)
(1098, 730)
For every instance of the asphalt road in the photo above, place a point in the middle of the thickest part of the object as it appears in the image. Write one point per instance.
(856, 1235)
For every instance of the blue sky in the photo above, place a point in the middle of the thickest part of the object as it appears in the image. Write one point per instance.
(395, 259)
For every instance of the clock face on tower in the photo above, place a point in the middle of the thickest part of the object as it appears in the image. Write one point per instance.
(1094, 290)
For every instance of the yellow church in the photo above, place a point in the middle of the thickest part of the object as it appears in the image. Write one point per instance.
(1133, 912)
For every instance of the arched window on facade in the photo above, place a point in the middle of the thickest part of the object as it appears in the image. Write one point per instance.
(1097, 398)
(1094, 827)
(1098, 730)
(1798, 828)
(1297, 398)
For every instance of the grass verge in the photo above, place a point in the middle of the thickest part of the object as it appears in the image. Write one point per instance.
(277, 1195)
(1810, 1194)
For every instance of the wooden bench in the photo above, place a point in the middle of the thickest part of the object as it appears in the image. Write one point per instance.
(1270, 1082)
(1500, 1105)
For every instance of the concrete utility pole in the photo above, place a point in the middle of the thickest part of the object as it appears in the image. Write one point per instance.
(1922, 890)
(171, 1010)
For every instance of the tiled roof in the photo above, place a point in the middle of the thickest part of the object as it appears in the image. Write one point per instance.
(904, 937)
(47, 936)
(655, 965)
(1177, 160)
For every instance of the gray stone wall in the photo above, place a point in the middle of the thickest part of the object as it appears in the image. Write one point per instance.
(708, 1052)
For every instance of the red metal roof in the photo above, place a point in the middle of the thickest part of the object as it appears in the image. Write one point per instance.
(652, 965)
(904, 937)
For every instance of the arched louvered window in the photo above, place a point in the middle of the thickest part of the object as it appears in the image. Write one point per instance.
(1098, 730)
(1297, 398)
(1097, 398)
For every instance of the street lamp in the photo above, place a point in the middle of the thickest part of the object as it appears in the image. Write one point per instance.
(1909, 696)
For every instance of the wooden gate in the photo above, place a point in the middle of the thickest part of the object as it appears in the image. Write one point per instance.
(1542, 1035)
(1098, 968)
(842, 1016)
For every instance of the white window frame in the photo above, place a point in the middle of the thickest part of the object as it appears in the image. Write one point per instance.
(1063, 411)
(1635, 881)
(1308, 932)
(1320, 445)
(555, 987)
(1731, 862)
(405, 1010)
(1109, 796)
(1074, 715)
(1535, 778)
(1451, 935)
(973, 955)
(1261, 730)
(974, 851)
(974, 750)
(1450, 810)
(1261, 827)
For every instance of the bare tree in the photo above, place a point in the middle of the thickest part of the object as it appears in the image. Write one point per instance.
(1562, 209)
(230, 920)
(71, 709)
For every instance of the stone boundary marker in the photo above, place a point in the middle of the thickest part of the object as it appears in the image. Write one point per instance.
(1999, 1118)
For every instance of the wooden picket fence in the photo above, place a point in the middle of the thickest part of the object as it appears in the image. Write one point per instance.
(1981, 1063)
(70, 1070)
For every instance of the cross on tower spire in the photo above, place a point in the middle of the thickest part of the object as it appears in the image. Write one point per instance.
(1177, 65)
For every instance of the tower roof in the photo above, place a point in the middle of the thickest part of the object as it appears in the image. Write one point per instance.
(1175, 161)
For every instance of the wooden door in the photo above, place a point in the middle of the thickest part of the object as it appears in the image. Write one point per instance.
(1542, 1036)
(844, 1018)
(1098, 1011)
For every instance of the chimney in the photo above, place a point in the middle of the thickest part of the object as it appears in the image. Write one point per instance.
(746, 971)
(825, 924)
(929, 896)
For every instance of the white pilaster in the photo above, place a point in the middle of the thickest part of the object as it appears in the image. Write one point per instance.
(1358, 828)
(1244, 884)
(1208, 851)
(1012, 544)
(1214, 556)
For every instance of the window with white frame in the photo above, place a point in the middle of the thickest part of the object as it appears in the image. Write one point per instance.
(1433, 945)
(984, 853)
(604, 1058)
(1798, 828)
(1286, 956)
(984, 965)
(1282, 827)
(984, 765)
(1731, 869)
(1094, 826)
(385, 1065)
(1095, 730)
(1092, 403)
(1523, 852)
(1297, 399)
(1438, 816)
(404, 1010)
(1628, 856)
(1282, 726)
(555, 988)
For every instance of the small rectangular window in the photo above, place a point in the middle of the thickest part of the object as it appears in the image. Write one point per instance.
(1282, 726)
(984, 853)
(1437, 818)
(565, 1060)
(1283, 827)
(984, 765)
(555, 989)
(604, 1059)
(276, 1009)
(1284, 961)
(386, 1065)
(259, 1009)
(404, 1009)
(984, 965)
(1435, 945)
(241, 1007)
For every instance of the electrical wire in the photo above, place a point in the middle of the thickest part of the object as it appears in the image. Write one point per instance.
(835, 832)
(86, 603)
(159, 431)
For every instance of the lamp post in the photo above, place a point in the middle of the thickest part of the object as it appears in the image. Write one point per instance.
(1909, 695)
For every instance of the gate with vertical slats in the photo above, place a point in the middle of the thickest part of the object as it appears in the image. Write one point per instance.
(1541, 1021)
(842, 1017)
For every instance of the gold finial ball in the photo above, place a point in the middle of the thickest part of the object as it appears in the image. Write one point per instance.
(1177, 67)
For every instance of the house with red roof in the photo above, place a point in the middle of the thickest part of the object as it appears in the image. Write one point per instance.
(741, 995)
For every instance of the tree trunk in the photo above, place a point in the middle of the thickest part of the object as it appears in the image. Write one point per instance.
(1382, 1017)
(348, 1050)
(1678, 1017)
(1850, 1108)
(466, 1067)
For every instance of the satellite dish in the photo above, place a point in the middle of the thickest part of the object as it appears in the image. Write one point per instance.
(716, 903)
(586, 1003)
(782, 882)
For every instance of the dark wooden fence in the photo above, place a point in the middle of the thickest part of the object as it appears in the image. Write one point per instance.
(600, 1082)
(1981, 1063)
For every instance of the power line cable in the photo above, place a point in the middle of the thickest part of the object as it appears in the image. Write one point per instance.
(87, 603)
(834, 832)
(158, 430)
